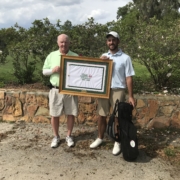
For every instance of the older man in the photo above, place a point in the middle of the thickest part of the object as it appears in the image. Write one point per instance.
(60, 103)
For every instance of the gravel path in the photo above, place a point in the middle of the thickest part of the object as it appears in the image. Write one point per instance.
(25, 153)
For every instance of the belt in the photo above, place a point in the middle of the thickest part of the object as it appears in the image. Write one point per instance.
(56, 87)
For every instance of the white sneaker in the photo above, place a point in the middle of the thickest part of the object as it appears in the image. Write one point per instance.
(116, 149)
(55, 142)
(69, 141)
(96, 143)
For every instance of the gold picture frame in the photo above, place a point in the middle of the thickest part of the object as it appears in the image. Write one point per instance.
(85, 76)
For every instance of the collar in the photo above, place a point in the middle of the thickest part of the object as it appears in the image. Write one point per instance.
(119, 53)
(61, 54)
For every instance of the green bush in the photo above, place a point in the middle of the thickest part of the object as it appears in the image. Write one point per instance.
(2, 84)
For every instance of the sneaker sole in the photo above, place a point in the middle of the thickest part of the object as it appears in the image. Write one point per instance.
(71, 145)
(56, 146)
(117, 153)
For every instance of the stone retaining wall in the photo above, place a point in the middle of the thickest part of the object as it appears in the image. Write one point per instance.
(152, 111)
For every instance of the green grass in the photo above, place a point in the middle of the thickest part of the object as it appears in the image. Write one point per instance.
(169, 152)
(6, 72)
(142, 79)
(141, 71)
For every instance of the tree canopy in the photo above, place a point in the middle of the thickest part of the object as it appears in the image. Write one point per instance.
(149, 33)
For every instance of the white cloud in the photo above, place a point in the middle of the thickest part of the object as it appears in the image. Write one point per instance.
(99, 14)
(24, 12)
(96, 14)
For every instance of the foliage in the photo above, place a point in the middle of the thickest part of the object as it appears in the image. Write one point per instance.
(6, 71)
(42, 40)
(27, 47)
(126, 28)
(157, 48)
(8, 37)
(43, 37)
(66, 27)
(88, 39)
(2, 84)
(142, 80)
(154, 43)
(123, 11)
(156, 8)
(20, 52)
(23, 66)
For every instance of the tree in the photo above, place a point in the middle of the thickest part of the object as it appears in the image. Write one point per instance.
(43, 37)
(66, 27)
(157, 47)
(22, 59)
(159, 8)
(150, 34)
(126, 27)
(8, 37)
(123, 11)
(88, 39)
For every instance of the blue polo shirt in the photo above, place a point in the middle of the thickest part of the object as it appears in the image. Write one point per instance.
(122, 68)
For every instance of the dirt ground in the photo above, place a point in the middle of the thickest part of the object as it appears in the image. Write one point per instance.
(25, 153)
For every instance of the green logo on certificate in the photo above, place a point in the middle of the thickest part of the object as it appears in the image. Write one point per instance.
(85, 77)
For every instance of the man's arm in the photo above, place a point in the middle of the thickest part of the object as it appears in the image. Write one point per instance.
(129, 81)
(48, 72)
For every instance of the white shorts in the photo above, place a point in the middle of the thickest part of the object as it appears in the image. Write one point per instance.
(62, 103)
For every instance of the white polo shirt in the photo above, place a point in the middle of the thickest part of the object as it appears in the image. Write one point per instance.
(122, 68)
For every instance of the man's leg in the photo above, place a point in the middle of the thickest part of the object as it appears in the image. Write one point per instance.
(101, 126)
(70, 125)
(101, 130)
(102, 110)
(55, 110)
(120, 95)
(55, 126)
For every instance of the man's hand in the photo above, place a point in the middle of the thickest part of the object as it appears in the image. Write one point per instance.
(132, 101)
(56, 69)
(104, 57)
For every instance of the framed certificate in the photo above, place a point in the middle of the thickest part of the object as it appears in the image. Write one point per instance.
(85, 76)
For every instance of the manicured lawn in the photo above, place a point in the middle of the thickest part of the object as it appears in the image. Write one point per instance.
(141, 71)
(6, 71)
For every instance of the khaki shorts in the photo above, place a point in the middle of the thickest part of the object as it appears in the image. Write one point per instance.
(104, 105)
(62, 103)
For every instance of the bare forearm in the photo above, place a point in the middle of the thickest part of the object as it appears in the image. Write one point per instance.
(129, 81)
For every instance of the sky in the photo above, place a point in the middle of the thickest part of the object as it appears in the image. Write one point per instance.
(24, 12)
